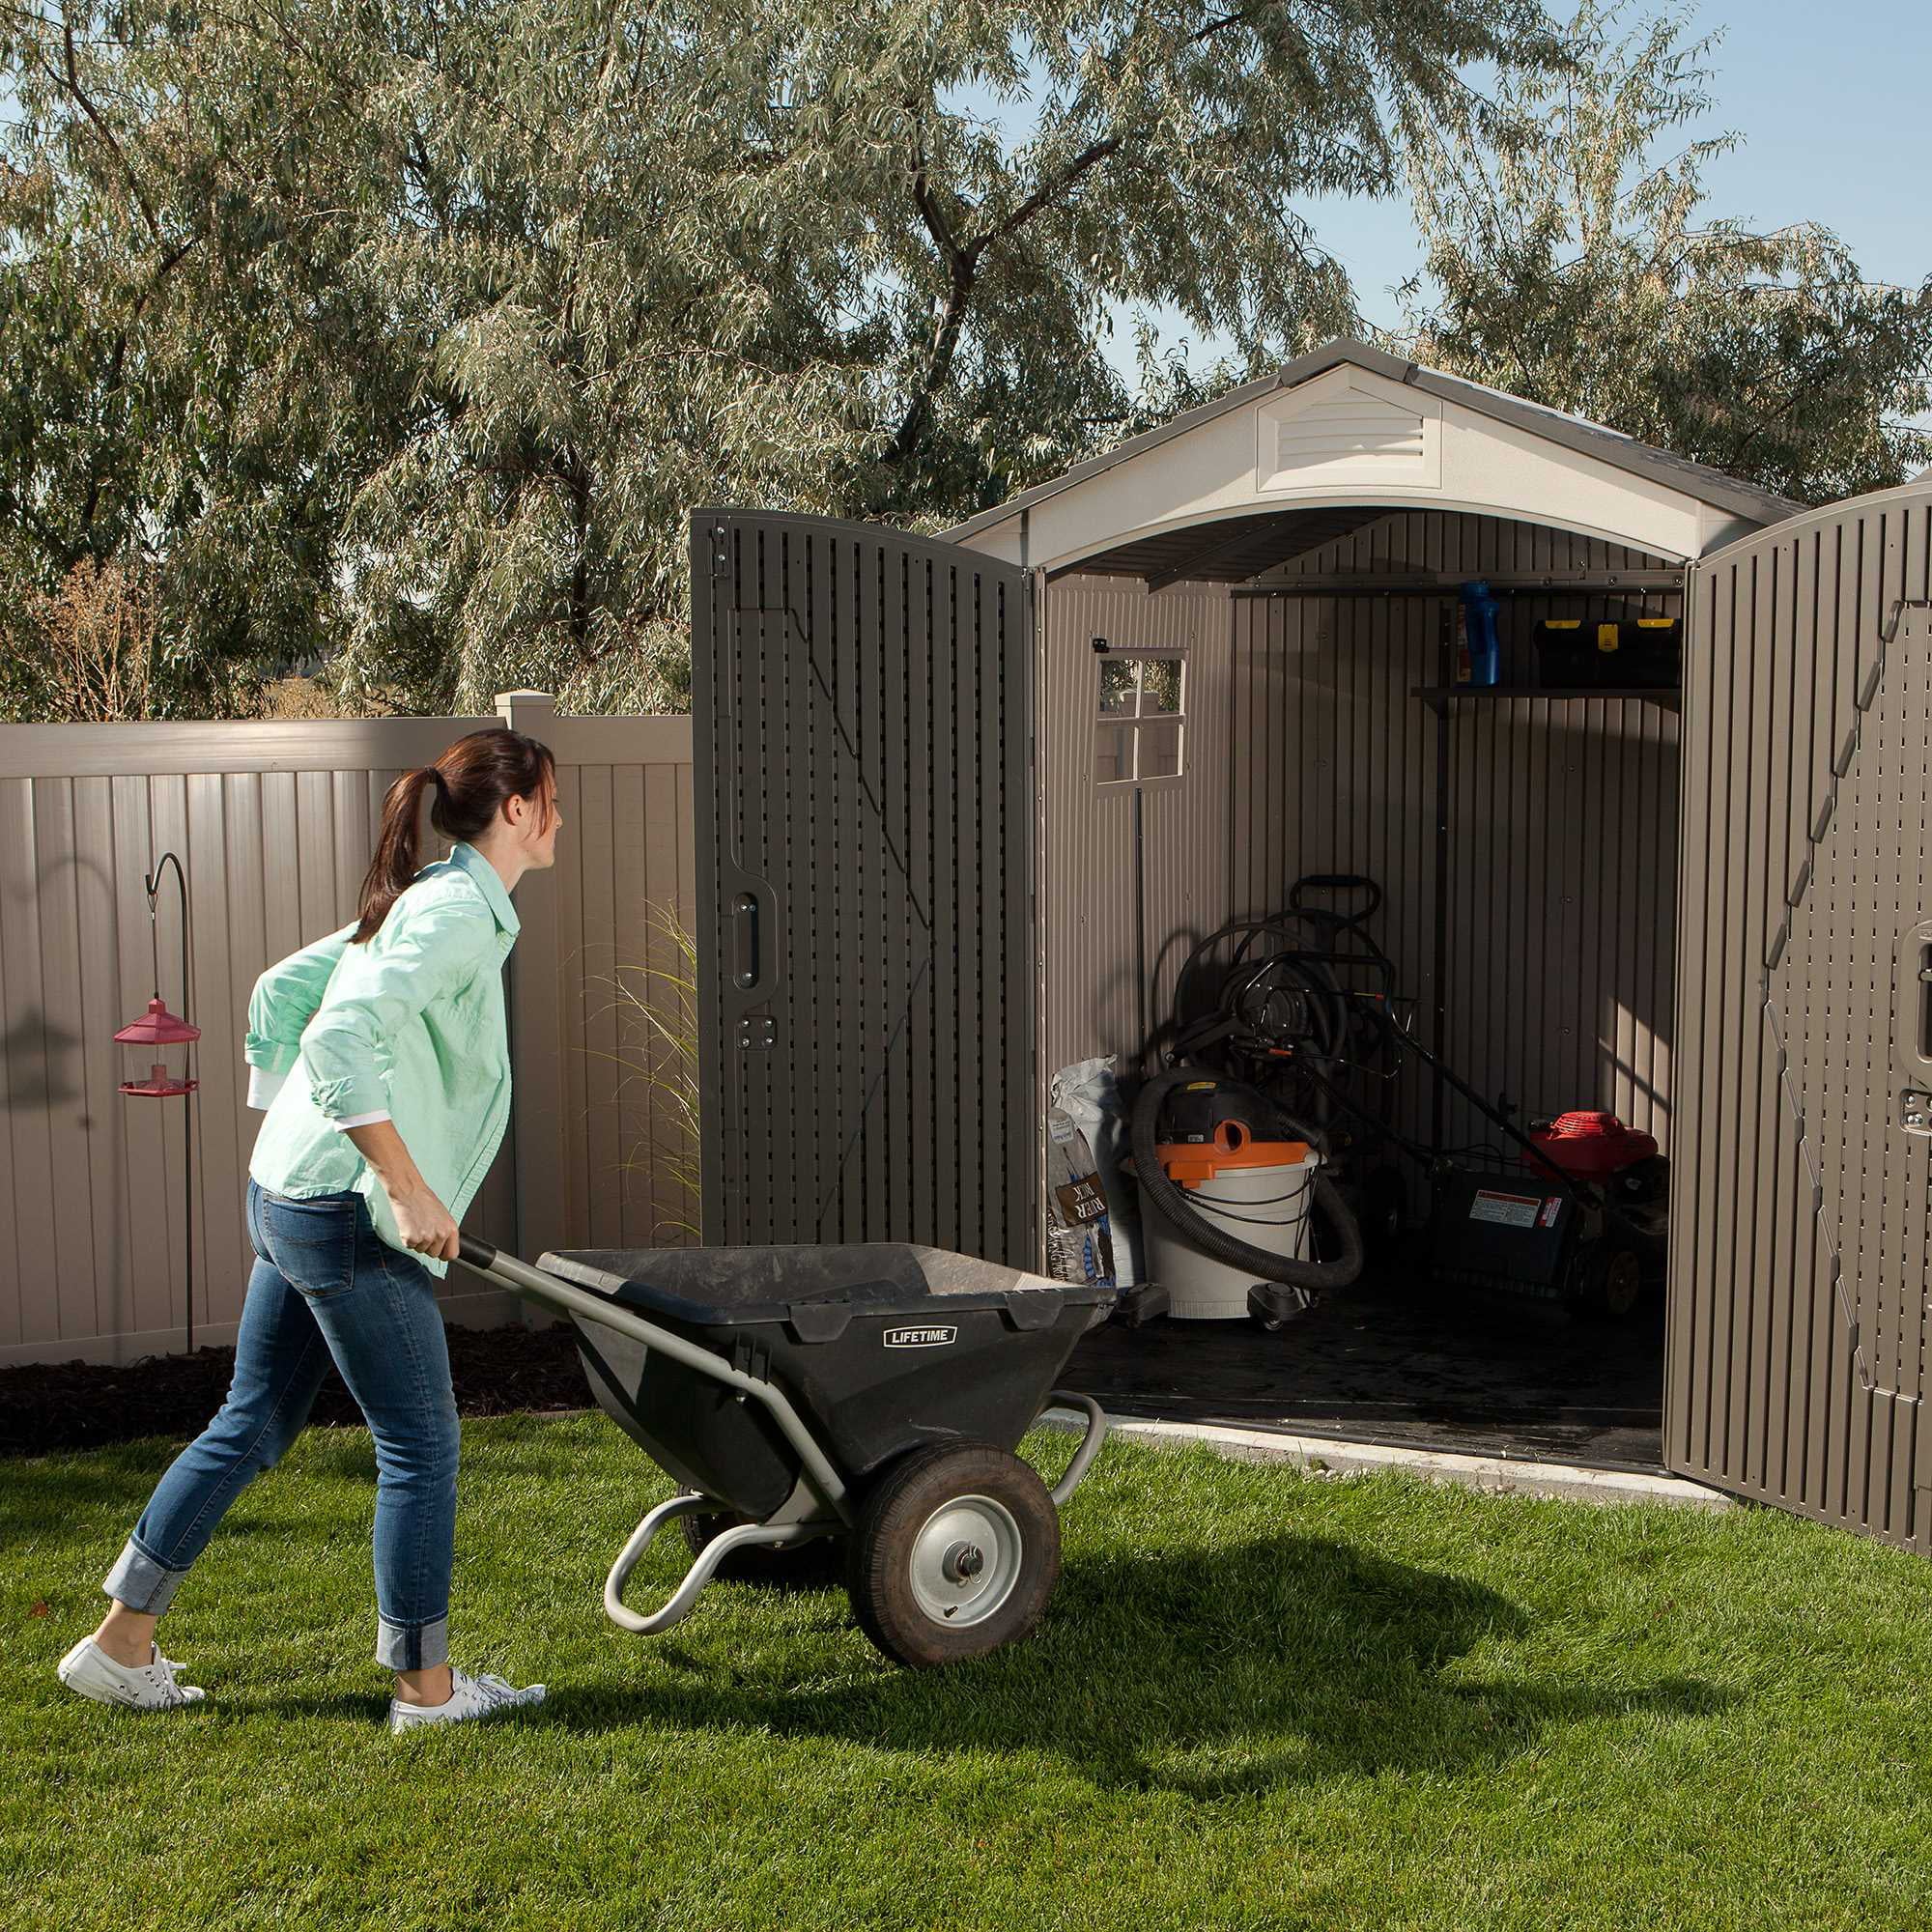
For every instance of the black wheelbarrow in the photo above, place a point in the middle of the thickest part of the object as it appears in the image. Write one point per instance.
(867, 1398)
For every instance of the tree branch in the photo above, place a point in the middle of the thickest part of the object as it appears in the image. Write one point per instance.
(116, 360)
(961, 268)
(105, 132)
(962, 259)
(1047, 193)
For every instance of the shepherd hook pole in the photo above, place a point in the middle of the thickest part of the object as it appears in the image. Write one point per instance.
(152, 882)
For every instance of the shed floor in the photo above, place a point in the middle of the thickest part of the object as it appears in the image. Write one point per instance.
(1410, 1364)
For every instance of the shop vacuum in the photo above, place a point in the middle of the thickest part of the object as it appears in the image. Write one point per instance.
(1231, 1190)
(1240, 1152)
(1277, 1096)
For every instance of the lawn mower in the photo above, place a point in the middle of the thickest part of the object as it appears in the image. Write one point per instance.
(860, 1402)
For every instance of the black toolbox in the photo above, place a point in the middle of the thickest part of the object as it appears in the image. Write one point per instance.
(1574, 653)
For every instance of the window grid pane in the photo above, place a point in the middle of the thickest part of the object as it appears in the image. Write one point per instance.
(1160, 686)
(1120, 684)
(1139, 733)
(1159, 749)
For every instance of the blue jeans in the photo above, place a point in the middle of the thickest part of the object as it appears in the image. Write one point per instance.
(324, 1287)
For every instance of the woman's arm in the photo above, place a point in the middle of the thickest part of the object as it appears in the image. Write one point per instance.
(285, 998)
(419, 953)
(424, 1223)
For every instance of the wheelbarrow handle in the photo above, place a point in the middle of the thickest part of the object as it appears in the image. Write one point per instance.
(476, 1251)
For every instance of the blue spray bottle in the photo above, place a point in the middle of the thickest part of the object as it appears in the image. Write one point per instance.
(1479, 629)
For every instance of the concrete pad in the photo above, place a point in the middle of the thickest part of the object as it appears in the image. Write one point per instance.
(1565, 1481)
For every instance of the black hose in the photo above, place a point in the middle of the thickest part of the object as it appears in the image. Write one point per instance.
(1216, 1242)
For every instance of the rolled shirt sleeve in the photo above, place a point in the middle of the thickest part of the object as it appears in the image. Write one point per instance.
(264, 1086)
(376, 989)
(284, 1000)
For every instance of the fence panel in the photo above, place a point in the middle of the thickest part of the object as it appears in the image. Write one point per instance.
(274, 824)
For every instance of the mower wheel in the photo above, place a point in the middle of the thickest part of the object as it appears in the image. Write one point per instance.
(818, 1564)
(955, 1554)
(1606, 1282)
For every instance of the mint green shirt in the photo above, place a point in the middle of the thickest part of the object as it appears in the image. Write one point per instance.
(409, 1027)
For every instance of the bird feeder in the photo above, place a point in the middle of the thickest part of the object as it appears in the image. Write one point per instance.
(158, 1028)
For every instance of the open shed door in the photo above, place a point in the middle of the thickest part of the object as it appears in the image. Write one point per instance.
(1803, 1152)
(863, 705)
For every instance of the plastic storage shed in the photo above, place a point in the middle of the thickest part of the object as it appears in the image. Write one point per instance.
(935, 868)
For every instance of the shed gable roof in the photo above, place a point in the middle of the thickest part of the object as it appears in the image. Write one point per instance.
(1697, 481)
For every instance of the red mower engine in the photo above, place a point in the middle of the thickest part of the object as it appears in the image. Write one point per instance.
(1586, 1226)
(1593, 1146)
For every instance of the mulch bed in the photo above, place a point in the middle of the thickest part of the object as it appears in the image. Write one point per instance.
(48, 1406)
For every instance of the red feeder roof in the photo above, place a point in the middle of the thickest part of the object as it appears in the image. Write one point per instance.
(156, 1027)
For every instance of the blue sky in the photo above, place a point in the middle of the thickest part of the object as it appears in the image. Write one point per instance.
(1831, 103)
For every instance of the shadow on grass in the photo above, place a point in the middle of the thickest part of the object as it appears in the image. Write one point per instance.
(1288, 1659)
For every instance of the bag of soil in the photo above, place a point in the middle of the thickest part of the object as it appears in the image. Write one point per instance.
(1093, 1231)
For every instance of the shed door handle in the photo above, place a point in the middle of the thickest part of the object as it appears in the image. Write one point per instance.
(1912, 1004)
(744, 942)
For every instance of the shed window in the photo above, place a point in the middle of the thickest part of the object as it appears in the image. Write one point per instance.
(1143, 712)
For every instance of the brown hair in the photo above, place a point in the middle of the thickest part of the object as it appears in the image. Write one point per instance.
(471, 780)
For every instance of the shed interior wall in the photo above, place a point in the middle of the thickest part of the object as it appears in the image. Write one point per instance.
(1307, 753)
(1093, 999)
(1561, 882)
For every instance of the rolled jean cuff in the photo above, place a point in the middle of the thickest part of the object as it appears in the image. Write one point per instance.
(412, 1646)
(139, 1582)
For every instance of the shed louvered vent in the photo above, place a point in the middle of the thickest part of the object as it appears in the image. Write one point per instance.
(1354, 429)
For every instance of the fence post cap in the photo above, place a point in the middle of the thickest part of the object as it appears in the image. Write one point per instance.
(527, 710)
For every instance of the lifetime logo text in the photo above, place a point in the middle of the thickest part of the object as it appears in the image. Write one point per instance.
(920, 1337)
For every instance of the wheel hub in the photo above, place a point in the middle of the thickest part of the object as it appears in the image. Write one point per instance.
(963, 1562)
(966, 1560)
(1623, 1282)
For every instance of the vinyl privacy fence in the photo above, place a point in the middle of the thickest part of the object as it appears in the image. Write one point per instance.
(274, 824)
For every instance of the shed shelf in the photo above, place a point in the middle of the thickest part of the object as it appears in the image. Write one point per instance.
(1439, 696)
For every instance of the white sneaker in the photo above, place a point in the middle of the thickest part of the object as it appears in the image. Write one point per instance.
(88, 1669)
(469, 1698)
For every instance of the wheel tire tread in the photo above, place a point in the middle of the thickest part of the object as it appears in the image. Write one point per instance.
(881, 1598)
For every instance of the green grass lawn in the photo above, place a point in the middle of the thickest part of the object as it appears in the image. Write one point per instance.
(1260, 1700)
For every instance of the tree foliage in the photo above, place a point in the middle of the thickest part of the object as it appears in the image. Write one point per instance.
(408, 331)
(1573, 268)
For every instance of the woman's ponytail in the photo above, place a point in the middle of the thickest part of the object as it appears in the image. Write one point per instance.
(467, 786)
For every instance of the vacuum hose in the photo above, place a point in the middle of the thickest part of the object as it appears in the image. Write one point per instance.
(1215, 1242)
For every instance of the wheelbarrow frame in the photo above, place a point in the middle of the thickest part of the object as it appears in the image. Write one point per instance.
(820, 1503)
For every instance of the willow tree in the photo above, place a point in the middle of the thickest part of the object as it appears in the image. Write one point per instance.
(194, 369)
(437, 317)
(1574, 267)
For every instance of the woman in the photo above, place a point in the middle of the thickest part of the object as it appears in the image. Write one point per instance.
(381, 1056)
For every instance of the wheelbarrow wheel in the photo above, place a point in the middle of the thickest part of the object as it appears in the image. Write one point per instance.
(818, 1564)
(955, 1554)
